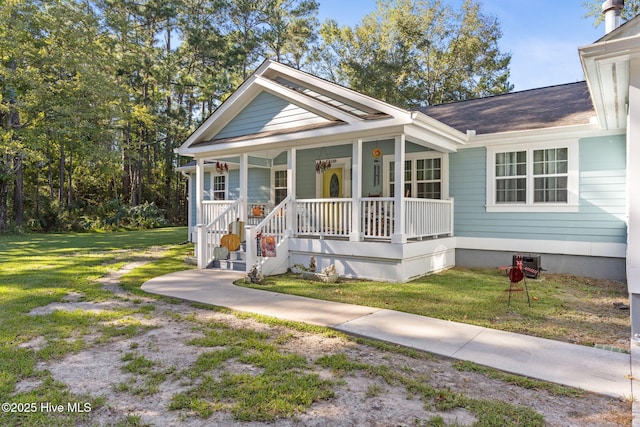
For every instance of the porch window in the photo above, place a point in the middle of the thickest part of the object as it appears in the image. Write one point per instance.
(428, 179)
(280, 185)
(422, 176)
(407, 178)
(533, 177)
(219, 188)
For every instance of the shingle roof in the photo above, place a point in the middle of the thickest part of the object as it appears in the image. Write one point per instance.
(553, 106)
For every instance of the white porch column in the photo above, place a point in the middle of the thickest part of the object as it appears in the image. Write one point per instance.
(633, 195)
(399, 235)
(356, 191)
(244, 186)
(291, 189)
(201, 245)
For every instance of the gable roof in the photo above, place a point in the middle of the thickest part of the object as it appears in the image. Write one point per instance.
(279, 106)
(552, 106)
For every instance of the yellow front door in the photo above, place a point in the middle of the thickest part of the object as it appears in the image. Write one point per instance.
(332, 183)
(332, 188)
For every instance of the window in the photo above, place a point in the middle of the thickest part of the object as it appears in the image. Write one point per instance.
(280, 185)
(550, 171)
(428, 178)
(423, 175)
(511, 181)
(534, 177)
(219, 188)
(407, 178)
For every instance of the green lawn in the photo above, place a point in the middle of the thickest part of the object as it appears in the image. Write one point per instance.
(39, 269)
(36, 270)
(563, 307)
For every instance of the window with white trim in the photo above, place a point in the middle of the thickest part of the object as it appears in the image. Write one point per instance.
(423, 175)
(533, 177)
(279, 185)
(219, 187)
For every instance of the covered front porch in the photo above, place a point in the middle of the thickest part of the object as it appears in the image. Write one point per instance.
(318, 170)
(334, 193)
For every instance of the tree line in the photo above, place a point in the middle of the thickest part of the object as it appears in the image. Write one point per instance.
(95, 95)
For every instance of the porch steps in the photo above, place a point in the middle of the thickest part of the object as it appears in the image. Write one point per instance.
(235, 262)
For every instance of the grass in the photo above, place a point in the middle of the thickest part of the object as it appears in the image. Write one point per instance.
(565, 308)
(40, 269)
(37, 270)
(278, 384)
(487, 412)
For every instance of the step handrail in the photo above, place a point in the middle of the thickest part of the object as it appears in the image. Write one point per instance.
(278, 224)
(211, 234)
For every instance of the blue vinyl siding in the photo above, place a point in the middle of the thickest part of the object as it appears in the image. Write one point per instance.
(259, 186)
(266, 113)
(601, 216)
(306, 167)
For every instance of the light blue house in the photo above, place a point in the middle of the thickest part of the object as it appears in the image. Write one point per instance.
(390, 194)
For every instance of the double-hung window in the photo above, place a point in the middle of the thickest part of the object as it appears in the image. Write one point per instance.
(219, 188)
(533, 177)
(279, 185)
(423, 175)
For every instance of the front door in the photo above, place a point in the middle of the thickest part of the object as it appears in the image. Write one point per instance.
(332, 183)
(332, 188)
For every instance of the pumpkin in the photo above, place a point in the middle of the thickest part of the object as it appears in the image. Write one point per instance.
(230, 241)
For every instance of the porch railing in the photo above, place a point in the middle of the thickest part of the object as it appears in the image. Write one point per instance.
(211, 209)
(332, 218)
(218, 227)
(323, 217)
(275, 223)
(428, 218)
(276, 227)
(377, 217)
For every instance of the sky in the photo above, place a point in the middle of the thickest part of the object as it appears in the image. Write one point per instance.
(542, 36)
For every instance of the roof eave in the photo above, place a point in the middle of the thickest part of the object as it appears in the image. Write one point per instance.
(606, 68)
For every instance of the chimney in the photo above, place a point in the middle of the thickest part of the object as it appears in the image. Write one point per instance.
(612, 10)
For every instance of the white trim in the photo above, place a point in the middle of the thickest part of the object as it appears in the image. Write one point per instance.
(538, 135)
(341, 92)
(595, 249)
(573, 196)
(420, 155)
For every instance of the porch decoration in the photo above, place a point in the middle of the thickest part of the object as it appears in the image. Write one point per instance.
(231, 242)
(254, 276)
(322, 165)
(376, 153)
(268, 244)
(237, 228)
(327, 275)
(222, 167)
(257, 211)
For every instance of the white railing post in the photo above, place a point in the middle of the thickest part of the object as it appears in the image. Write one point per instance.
(202, 246)
(244, 187)
(451, 218)
(356, 191)
(251, 251)
(399, 235)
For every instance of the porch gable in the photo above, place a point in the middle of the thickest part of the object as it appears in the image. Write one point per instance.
(268, 113)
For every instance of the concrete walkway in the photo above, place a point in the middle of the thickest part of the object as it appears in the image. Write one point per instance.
(600, 371)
